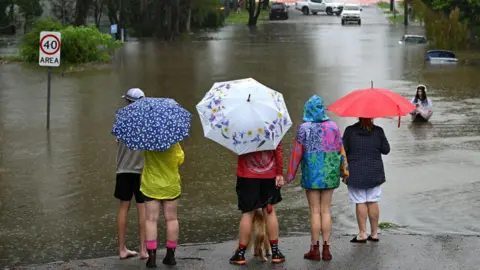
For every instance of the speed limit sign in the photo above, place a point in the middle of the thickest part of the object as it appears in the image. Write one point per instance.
(50, 47)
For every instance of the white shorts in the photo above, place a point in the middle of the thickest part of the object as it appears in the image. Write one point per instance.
(361, 195)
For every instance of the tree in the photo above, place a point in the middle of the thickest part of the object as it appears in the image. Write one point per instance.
(63, 10)
(30, 9)
(253, 13)
(81, 11)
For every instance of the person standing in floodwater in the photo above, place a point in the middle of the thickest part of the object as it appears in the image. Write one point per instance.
(161, 186)
(259, 178)
(319, 148)
(365, 143)
(129, 171)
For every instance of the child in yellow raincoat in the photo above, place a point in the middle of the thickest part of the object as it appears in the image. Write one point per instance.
(161, 185)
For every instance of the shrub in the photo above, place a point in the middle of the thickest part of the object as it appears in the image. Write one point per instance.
(79, 44)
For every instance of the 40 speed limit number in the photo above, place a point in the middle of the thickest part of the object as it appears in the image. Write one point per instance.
(50, 48)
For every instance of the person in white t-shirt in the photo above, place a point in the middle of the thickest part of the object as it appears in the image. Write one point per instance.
(424, 107)
(128, 178)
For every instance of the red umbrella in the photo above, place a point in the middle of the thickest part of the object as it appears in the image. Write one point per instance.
(372, 103)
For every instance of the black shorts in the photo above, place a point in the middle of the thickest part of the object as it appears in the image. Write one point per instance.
(128, 184)
(254, 193)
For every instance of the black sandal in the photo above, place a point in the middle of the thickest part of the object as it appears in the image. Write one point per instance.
(370, 238)
(355, 240)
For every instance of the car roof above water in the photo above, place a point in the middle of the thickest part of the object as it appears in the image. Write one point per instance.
(441, 54)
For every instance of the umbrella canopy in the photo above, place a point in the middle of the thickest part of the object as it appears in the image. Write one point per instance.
(372, 103)
(153, 124)
(244, 116)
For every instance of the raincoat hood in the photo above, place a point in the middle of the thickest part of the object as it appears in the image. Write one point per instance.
(314, 110)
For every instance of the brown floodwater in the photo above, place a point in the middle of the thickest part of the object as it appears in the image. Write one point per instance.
(56, 187)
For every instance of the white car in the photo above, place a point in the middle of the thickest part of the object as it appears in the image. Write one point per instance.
(351, 13)
(315, 6)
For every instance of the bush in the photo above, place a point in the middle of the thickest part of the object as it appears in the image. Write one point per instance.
(79, 44)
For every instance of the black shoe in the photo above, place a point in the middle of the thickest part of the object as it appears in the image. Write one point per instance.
(170, 257)
(238, 258)
(152, 255)
(278, 257)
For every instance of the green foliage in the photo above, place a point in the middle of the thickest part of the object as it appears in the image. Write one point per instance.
(243, 16)
(445, 31)
(383, 5)
(79, 44)
(207, 14)
(30, 8)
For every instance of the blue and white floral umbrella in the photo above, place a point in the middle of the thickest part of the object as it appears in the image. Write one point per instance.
(153, 124)
(244, 116)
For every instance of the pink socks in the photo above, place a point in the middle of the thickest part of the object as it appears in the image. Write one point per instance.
(171, 244)
(151, 244)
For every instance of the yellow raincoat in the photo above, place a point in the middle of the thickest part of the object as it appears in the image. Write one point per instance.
(160, 177)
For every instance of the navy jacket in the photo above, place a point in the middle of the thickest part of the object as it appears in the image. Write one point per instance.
(364, 155)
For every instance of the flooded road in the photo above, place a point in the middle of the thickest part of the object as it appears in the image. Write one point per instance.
(56, 188)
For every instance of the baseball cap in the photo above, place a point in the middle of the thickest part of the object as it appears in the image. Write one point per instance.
(134, 94)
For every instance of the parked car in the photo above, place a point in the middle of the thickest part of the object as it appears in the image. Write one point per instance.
(315, 6)
(351, 13)
(413, 39)
(278, 11)
(441, 57)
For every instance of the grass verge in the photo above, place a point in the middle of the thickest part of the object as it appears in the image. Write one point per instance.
(11, 58)
(396, 19)
(242, 17)
(383, 5)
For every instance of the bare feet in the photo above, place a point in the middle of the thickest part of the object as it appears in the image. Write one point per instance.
(143, 255)
(126, 254)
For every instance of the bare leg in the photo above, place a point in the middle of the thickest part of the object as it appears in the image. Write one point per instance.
(171, 221)
(325, 203)
(362, 211)
(122, 229)
(141, 227)
(272, 223)
(152, 211)
(246, 227)
(373, 216)
(313, 197)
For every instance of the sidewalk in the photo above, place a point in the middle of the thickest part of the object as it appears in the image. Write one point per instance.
(392, 252)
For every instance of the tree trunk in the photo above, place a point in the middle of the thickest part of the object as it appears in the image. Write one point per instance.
(81, 12)
(253, 16)
(251, 13)
(189, 20)
(266, 4)
(177, 19)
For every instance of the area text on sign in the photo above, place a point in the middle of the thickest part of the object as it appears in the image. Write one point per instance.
(50, 48)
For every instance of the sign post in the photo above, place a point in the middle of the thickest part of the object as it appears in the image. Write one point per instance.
(49, 56)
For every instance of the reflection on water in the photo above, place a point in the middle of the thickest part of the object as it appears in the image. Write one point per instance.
(56, 191)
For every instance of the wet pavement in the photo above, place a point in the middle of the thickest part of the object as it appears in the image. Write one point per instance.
(393, 252)
(56, 188)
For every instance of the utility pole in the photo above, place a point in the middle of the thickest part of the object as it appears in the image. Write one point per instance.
(392, 6)
(405, 12)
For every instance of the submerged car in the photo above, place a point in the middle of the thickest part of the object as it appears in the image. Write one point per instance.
(278, 11)
(441, 57)
(351, 13)
(413, 39)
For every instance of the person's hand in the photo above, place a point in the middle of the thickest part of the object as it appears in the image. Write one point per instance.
(117, 141)
(279, 181)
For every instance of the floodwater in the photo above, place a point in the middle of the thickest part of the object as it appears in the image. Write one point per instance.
(56, 188)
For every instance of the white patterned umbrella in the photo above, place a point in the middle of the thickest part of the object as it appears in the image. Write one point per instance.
(244, 116)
